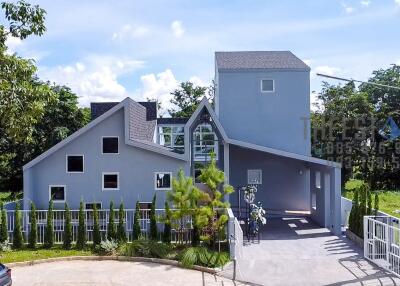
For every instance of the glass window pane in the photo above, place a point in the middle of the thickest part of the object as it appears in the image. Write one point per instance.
(57, 193)
(179, 140)
(110, 145)
(110, 181)
(166, 140)
(177, 129)
(166, 129)
(206, 128)
(75, 163)
(163, 180)
(267, 85)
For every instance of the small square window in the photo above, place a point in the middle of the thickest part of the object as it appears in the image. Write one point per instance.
(145, 205)
(110, 145)
(110, 181)
(57, 193)
(254, 177)
(163, 181)
(90, 206)
(267, 85)
(75, 163)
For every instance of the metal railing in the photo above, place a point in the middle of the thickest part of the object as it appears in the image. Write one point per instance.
(103, 219)
(382, 242)
(235, 235)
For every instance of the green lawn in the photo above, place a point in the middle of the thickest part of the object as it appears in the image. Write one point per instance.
(40, 253)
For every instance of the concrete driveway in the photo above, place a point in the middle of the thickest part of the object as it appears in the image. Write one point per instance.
(294, 251)
(105, 273)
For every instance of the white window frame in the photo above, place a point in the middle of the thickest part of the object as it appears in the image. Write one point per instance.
(102, 181)
(101, 205)
(201, 145)
(65, 193)
(252, 183)
(102, 137)
(267, 91)
(171, 134)
(66, 163)
(155, 181)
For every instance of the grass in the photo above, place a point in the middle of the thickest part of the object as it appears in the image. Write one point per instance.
(40, 253)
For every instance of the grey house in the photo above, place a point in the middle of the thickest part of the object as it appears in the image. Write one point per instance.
(259, 130)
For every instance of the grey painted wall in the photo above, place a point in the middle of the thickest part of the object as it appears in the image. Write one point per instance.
(268, 119)
(136, 169)
(282, 188)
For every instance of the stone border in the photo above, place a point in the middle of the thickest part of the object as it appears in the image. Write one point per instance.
(115, 258)
(355, 238)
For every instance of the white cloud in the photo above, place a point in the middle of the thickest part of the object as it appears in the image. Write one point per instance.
(177, 29)
(347, 8)
(12, 44)
(365, 3)
(129, 31)
(326, 70)
(95, 78)
(397, 2)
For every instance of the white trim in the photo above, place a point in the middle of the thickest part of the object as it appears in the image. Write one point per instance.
(83, 163)
(254, 183)
(102, 137)
(267, 91)
(65, 193)
(102, 181)
(101, 205)
(170, 181)
(154, 147)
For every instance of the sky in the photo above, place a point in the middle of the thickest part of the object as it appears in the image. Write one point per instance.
(108, 50)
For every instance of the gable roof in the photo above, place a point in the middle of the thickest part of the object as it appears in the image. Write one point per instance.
(259, 60)
(98, 108)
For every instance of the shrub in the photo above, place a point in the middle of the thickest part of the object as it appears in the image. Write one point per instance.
(17, 234)
(109, 247)
(111, 233)
(153, 221)
(376, 204)
(369, 203)
(121, 233)
(96, 227)
(203, 256)
(33, 231)
(146, 248)
(49, 234)
(67, 228)
(167, 225)
(136, 224)
(5, 246)
(353, 221)
(81, 239)
(3, 224)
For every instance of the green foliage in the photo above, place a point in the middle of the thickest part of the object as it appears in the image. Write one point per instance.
(153, 221)
(146, 248)
(96, 227)
(369, 203)
(49, 234)
(109, 247)
(136, 224)
(195, 232)
(121, 234)
(67, 243)
(3, 224)
(111, 231)
(81, 238)
(32, 240)
(203, 256)
(354, 213)
(362, 206)
(376, 204)
(18, 240)
(167, 225)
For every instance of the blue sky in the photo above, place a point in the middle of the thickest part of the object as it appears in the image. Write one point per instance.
(107, 50)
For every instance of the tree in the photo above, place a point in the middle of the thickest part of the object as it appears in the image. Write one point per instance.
(376, 204)
(49, 234)
(67, 243)
(353, 218)
(17, 234)
(187, 97)
(3, 224)
(33, 230)
(136, 224)
(369, 203)
(167, 225)
(111, 232)
(81, 239)
(153, 220)
(96, 227)
(121, 234)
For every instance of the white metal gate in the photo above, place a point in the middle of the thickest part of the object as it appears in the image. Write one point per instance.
(382, 242)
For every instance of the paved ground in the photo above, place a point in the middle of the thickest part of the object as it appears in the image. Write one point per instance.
(297, 252)
(104, 273)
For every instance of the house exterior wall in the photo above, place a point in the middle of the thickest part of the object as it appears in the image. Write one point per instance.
(136, 169)
(285, 182)
(278, 120)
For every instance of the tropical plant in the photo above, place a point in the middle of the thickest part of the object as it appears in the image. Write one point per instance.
(49, 234)
(111, 231)
(3, 224)
(147, 248)
(203, 256)
(67, 228)
(167, 225)
(33, 229)
(136, 224)
(96, 227)
(153, 221)
(17, 234)
(121, 233)
(81, 239)
(109, 247)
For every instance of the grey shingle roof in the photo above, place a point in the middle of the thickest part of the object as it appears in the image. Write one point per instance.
(259, 60)
(98, 108)
(169, 120)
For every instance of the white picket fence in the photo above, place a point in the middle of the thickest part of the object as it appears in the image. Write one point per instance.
(103, 214)
(382, 242)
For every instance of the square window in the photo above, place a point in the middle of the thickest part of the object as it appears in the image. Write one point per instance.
(75, 163)
(110, 145)
(267, 85)
(110, 181)
(254, 177)
(57, 193)
(90, 206)
(145, 205)
(163, 181)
